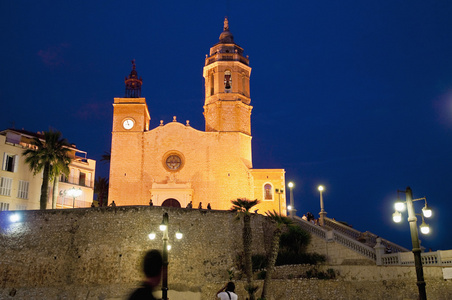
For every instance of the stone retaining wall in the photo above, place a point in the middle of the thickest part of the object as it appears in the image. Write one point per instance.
(96, 254)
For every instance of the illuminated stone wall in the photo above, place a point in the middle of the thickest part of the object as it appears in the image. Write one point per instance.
(96, 254)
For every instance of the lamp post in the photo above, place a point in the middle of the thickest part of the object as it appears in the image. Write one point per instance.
(74, 194)
(166, 247)
(322, 210)
(397, 217)
(279, 192)
(292, 210)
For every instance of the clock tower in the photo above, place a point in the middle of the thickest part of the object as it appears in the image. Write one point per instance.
(130, 122)
(227, 87)
(130, 114)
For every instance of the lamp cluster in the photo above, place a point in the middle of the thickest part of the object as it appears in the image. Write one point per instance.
(164, 227)
(426, 212)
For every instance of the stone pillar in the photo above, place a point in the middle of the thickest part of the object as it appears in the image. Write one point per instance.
(379, 251)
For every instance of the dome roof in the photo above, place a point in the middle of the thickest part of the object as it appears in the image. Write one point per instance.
(226, 36)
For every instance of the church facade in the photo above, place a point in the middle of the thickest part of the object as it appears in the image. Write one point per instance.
(175, 164)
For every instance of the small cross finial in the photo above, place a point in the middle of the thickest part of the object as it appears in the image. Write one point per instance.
(133, 64)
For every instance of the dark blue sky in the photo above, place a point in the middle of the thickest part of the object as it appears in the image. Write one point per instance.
(354, 95)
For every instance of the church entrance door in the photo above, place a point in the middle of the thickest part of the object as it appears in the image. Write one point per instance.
(171, 202)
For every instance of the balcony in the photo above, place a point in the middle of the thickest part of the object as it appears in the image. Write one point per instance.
(80, 181)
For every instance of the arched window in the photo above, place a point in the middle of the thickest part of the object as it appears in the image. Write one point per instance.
(227, 81)
(268, 191)
(212, 89)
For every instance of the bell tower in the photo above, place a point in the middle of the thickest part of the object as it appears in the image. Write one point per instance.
(131, 114)
(227, 86)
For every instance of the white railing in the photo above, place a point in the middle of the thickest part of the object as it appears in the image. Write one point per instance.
(437, 258)
(364, 237)
(338, 237)
(354, 245)
(317, 230)
(401, 258)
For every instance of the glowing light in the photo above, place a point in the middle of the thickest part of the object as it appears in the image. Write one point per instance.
(289, 207)
(425, 229)
(397, 217)
(162, 227)
(14, 218)
(74, 192)
(168, 247)
(152, 235)
(179, 235)
(426, 211)
(321, 188)
(399, 206)
(291, 184)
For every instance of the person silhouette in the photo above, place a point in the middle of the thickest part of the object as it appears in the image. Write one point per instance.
(227, 292)
(152, 268)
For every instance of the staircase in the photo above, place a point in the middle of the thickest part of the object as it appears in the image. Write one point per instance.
(360, 242)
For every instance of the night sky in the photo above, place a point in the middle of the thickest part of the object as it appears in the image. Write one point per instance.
(354, 95)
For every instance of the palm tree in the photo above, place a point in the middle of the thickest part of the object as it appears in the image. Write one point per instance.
(106, 157)
(280, 222)
(101, 189)
(56, 170)
(47, 155)
(242, 208)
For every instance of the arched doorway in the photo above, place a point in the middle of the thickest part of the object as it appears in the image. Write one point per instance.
(171, 202)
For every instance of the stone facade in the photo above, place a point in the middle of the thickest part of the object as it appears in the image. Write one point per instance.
(178, 163)
(96, 254)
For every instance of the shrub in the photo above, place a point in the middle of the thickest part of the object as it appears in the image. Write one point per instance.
(289, 258)
(259, 261)
(329, 274)
(261, 274)
(294, 240)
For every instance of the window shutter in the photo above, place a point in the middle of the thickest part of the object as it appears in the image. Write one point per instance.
(16, 163)
(5, 156)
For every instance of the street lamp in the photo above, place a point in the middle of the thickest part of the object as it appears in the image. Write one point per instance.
(74, 194)
(397, 217)
(292, 210)
(279, 192)
(322, 210)
(166, 247)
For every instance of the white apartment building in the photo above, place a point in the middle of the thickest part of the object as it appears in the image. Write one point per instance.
(20, 189)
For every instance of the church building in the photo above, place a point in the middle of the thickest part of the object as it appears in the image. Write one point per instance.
(174, 164)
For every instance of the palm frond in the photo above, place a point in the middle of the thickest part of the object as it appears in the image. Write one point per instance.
(243, 205)
(278, 219)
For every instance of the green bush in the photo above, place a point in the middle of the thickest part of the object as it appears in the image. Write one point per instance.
(261, 274)
(289, 258)
(294, 240)
(259, 261)
(329, 274)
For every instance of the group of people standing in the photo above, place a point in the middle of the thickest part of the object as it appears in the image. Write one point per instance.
(152, 268)
(310, 218)
(190, 205)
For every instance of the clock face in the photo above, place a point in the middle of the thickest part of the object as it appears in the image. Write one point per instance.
(128, 124)
(173, 162)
